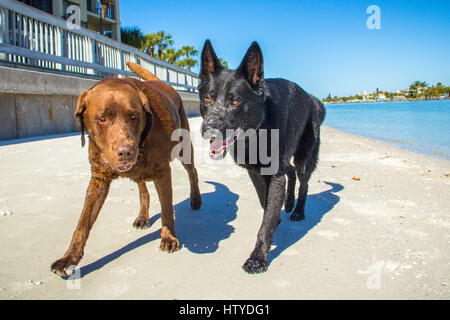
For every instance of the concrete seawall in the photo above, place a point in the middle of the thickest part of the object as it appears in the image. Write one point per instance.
(36, 103)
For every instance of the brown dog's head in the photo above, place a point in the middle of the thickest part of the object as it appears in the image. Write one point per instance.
(117, 116)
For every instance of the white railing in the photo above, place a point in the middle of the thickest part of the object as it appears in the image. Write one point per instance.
(29, 36)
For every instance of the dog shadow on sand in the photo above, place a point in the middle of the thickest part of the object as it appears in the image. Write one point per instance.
(200, 231)
(290, 232)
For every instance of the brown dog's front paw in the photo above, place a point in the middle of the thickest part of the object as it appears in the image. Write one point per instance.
(141, 223)
(196, 201)
(169, 243)
(63, 267)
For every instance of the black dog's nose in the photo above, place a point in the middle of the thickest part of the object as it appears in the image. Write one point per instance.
(209, 132)
(125, 151)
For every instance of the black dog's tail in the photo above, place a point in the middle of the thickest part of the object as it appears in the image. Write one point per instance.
(320, 108)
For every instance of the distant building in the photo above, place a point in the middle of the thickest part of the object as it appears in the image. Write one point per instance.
(403, 91)
(90, 13)
(381, 97)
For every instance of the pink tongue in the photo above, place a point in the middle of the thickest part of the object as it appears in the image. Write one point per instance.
(218, 145)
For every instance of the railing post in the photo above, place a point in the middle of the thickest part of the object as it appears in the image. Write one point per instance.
(64, 47)
(4, 34)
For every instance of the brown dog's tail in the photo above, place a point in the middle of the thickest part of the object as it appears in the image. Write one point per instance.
(141, 72)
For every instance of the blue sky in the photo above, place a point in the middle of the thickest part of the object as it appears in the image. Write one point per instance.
(324, 46)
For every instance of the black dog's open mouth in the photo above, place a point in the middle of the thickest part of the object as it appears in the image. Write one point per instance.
(218, 147)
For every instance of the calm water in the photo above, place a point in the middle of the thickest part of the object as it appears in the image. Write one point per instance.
(421, 126)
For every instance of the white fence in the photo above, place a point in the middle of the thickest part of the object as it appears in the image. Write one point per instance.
(33, 37)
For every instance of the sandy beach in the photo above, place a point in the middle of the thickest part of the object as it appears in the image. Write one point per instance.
(377, 227)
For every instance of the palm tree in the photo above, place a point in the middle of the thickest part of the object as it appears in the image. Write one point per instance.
(104, 8)
(131, 36)
(148, 43)
(171, 55)
(187, 63)
(421, 85)
(417, 88)
(413, 89)
(163, 40)
(188, 51)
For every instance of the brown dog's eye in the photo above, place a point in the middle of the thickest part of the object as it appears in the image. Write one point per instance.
(134, 117)
(103, 120)
(208, 100)
(235, 102)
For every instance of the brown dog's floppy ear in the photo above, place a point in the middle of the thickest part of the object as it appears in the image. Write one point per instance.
(81, 107)
(148, 112)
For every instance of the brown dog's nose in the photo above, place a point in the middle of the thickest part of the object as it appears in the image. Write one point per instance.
(125, 151)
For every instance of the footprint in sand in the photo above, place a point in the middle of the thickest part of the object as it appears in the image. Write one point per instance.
(341, 221)
(327, 234)
(404, 203)
(124, 270)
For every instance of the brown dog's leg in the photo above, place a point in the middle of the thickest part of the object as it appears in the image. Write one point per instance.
(95, 197)
(163, 183)
(142, 221)
(196, 198)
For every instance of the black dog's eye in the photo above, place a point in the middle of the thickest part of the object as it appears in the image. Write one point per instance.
(235, 102)
(207, 100)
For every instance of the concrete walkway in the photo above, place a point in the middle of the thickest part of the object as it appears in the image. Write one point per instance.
(385, 236)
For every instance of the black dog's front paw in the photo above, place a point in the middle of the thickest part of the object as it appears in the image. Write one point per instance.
(296, 216)
(254, 265)
(196, 201)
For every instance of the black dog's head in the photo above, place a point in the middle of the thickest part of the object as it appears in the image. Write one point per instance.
(230, 99)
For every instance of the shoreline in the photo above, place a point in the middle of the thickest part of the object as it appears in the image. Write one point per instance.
(398, 144)
(375, 101)
(382, 235)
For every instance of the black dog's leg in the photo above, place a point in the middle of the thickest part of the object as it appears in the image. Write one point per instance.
(258, 259)
(299, 211)
(261, 185)
(305, 160)
(289, 201)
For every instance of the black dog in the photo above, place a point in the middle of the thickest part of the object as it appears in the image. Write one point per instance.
(239, 100)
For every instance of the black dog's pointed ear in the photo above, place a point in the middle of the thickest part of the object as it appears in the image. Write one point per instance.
(210, 63)
(252, 66)
(81, 107)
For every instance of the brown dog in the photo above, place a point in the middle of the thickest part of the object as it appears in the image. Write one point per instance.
(130, 123)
